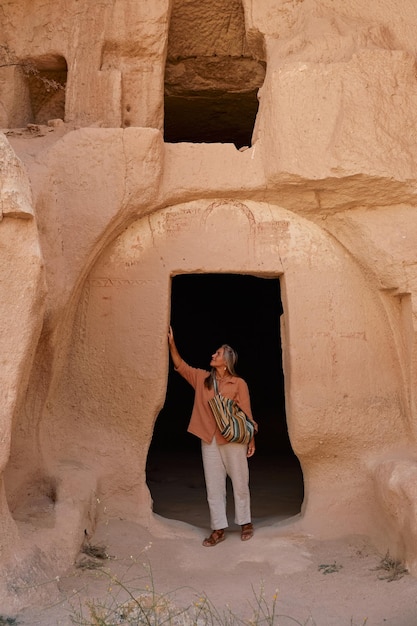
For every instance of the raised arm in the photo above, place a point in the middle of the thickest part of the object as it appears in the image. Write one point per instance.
(175, 355)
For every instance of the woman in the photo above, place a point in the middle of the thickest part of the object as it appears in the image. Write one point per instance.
(220, 458)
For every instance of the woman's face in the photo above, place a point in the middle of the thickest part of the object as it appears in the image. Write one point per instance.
(217, 359)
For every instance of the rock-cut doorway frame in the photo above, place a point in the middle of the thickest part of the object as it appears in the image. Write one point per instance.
(244, 311)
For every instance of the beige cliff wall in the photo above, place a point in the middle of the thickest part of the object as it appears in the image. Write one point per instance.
(98, 214)
(113, 52)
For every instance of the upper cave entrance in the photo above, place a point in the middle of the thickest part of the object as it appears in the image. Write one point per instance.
(47, 78)
(33, 88)
(211, 76)
(201, 324)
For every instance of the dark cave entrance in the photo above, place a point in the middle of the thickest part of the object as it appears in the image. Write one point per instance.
(211, 118)
(244, 311)
(212, 74)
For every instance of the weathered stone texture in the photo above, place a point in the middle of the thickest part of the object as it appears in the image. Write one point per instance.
(97, 214)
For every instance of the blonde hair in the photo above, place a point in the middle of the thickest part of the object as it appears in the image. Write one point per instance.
(230, 356)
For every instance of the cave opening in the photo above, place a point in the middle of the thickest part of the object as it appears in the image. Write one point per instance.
(212, 77)
(244, 311)
(46, 77)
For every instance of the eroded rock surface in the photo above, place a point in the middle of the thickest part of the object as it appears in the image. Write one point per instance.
(275, 139)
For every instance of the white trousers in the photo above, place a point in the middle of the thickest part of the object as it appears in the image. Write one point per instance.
(219, 462)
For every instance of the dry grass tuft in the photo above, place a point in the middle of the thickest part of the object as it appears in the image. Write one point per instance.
(330, 568)
(390, 568)
(91, 557)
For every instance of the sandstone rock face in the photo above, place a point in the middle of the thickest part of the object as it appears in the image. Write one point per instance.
(163, 164)
(22, 289)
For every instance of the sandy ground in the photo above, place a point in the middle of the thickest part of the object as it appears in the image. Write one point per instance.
(322, 583)
(234, 573)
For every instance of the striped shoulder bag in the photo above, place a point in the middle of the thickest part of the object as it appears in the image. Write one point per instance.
(233, 423)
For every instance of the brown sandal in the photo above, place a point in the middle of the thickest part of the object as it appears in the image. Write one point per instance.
(216, 537)
(247, 532)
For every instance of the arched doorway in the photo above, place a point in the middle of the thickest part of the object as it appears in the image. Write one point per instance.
(342, 398)
(244, 311)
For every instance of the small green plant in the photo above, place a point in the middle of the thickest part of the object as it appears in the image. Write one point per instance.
(329, 568)
(391, 569)
(6, 621)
